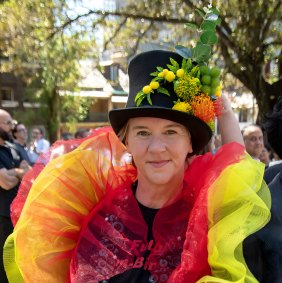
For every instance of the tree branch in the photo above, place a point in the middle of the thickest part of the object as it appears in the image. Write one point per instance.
(163, 19)
(234, 68)
(71, 21)
(141, 35)
(121, 24)
(271, 43)
(269, 21)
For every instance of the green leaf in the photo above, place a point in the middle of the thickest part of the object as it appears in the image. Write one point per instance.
(157, 79)
(149, 98)
(208, 37)
(172, 68)
(200, 12)
(218, 21)
(201, 52)
(214, 11)
(186, 64)
(138, 102)
(191, 25)
(211, 17)
(154, 74)
(183, 51)
(194, 71)
(174, 63)
(160, 69)
(175, 84)
(163, 90)
(139, 95)
(208, 25)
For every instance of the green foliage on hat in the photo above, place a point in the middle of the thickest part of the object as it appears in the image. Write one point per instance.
(201, 53)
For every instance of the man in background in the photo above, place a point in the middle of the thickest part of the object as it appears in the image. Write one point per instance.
(20, 140)
(253, 139)
(12, 169)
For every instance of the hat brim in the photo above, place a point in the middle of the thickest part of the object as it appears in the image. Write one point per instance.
(199, 130)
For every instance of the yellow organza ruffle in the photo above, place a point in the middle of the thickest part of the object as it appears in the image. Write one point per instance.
(238, 205)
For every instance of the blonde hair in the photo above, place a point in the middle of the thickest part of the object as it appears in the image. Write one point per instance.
(122, 133)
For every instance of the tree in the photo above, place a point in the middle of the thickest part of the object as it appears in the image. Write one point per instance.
(250, 38)
(46, 64)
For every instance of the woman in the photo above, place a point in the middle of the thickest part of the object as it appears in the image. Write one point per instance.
(265, 156)
(141, 210)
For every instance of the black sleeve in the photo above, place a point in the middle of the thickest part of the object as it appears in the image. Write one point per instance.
(271, 235)
(271, 172)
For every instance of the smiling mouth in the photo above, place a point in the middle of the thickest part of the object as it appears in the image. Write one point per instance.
(158, 164)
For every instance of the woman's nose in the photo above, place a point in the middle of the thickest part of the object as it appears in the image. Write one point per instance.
(156, 145)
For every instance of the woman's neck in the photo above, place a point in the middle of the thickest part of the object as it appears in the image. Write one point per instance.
(157, 196)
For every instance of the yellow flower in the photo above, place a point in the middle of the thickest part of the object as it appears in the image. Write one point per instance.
(195, 80)
(182, 106)
(180, 73)
(211, 125)
(170, 76)
(161, 75)
(165, 71)
(154, 85)
(187, 87)
(147, 89)
(218, 90)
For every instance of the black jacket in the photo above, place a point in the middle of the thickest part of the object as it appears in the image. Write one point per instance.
(263, 250)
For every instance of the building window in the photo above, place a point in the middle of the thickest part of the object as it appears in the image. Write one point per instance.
(114, 73)
(6, 94)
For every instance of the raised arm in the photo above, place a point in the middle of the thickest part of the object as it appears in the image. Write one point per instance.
(228, 124)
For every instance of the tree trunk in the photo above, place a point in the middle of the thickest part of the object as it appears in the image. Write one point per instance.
(53, 121)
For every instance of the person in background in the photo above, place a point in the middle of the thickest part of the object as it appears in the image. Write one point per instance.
(12, 169)
(20, 140)
(273, 129)
(67, 136)
(38, 146)
(81, 133)
(266, 155)
(253, 139)
(271, 234)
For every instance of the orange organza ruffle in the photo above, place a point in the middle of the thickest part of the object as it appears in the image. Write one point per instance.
(57, 222)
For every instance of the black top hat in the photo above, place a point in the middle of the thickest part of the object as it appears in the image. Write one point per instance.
(139, 71)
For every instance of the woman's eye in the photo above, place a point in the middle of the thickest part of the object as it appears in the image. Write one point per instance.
(170, 132)
(143, 133)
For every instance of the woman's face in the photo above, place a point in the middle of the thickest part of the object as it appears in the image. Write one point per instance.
(159, 149)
